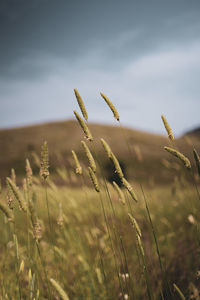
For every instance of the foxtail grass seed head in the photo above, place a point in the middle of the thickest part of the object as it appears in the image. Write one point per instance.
(197, 160)
(13, 175)
(16, 193)
(117, 166)
(180, 156)
(112, 107)
(89, 156)
(106, 148)
(77, 163)
(81, 104)
(168, 128)
(44, 162)
(83, 126)
(29, 173)
(94, 179)
(120, 193)
(127, 185)
(59, 289)
(7, 212)
(135, 224)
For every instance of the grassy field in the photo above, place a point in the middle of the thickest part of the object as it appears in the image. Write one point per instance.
(78, 236)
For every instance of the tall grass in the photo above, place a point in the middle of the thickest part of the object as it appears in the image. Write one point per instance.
(97, 240)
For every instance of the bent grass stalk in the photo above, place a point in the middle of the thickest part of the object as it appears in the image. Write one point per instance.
(180, 156)
(179, 292)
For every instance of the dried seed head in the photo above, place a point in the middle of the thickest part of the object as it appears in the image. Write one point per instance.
(81, 104)
(106, 147)
(29, 173)
(89, 156)
(7, 212)
(94, 179)
(180, 156)
(44, 162)
(197, 160)
(112, 107)
(127, 185)
(135, 224)
(168, 128)
(120, 193)
(117, 165)
(16, 193)
(77, 163)
(83, 126)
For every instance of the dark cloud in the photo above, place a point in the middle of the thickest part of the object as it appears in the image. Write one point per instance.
(32, 29)
(144, 54)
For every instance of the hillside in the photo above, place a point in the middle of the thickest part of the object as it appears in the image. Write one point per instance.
(144, 156)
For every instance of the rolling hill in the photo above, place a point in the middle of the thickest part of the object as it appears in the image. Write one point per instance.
(141, 153)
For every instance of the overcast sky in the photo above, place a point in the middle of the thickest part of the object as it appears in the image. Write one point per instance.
(144, 55)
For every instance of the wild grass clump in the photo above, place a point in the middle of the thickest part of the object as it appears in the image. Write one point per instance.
(90, 240)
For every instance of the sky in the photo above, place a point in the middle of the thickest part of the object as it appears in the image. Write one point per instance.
(144, 55)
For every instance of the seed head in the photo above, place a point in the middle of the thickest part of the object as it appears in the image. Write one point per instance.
(89, 156)
(180, 156)
(94, 179)
(168, 128)
(112, 107)
(44, 162)
(81, 104)
(77, 163)
(83, 126)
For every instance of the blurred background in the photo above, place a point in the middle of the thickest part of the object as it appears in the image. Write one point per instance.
(144, 55)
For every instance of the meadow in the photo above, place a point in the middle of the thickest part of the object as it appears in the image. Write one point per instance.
(103, 227)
